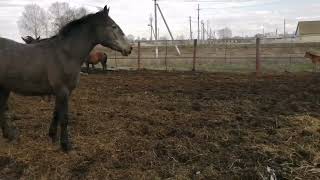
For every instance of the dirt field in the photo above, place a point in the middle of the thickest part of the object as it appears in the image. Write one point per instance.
(157, 125)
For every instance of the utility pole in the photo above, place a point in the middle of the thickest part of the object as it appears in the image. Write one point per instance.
(284, 28)
(151, 27)
(198, 21)
(190, 22)
(207, 30)
(156, 27)
(165, 22)
(203, 31)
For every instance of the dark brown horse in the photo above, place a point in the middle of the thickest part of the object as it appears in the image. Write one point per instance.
(30, 40)
(95, 58)
(52, 67)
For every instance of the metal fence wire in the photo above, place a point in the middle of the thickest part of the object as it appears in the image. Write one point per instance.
(228, 55)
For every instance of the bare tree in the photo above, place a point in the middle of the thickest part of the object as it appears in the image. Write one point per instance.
(34, 21)
(80, 12)
(130, 37)
(61, 14)
(225, 33)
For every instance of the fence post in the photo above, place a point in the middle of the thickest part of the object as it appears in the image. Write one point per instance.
(225, 51)
(139, 55)
(194, 54)
(165, 58)
(258, 57)
(115, 59)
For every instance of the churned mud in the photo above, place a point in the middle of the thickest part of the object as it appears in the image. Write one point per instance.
(173, 125)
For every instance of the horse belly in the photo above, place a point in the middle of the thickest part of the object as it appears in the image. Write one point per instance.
(94, 61)
(27, 83)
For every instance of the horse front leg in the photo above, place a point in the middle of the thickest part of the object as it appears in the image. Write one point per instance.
(54, 126)
(8, 131)
(104, 65)
(62, 98)
(87, 63)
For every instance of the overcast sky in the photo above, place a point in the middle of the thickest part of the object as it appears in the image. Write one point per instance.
(244, 17)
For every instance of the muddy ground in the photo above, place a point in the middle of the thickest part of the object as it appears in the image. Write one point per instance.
(158, 125)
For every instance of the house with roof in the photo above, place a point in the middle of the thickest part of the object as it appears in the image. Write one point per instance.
(308, 31)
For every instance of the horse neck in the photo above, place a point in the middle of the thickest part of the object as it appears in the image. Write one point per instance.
(78, 45)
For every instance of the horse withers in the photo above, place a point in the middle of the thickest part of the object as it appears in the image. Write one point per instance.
(52, 67)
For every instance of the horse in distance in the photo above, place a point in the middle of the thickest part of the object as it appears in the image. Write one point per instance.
(52, 67)
(96, 57)
(314, 57)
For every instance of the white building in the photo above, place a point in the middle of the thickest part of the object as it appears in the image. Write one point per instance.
(308, 31)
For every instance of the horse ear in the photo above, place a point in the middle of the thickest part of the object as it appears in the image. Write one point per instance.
(25, 40)
(106, 10)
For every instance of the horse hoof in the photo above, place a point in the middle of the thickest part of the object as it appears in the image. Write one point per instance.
(54, 139)
(66, 147)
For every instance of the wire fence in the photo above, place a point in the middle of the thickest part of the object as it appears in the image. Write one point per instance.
(228, 55)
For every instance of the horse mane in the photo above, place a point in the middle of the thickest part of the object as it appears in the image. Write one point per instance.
(75, 23)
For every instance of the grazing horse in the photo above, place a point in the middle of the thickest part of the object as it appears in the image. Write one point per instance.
(52, 67)
(315, 58)
(96, 57)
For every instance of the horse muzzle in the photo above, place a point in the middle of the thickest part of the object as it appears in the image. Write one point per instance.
(127, 52)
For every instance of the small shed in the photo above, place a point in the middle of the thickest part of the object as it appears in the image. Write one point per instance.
(308, 31)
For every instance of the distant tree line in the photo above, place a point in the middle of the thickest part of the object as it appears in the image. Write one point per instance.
(36, 21)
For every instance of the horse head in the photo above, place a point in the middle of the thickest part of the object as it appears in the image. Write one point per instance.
(109, 34)
(308, 55)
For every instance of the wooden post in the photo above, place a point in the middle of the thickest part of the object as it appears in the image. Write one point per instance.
(165, 57)
(225, 51)
(258, 57)
(139, 55)
(194, 54)
(115, 59)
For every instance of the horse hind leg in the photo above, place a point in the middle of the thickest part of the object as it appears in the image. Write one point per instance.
(54, 126)
(8, 131)
(87, 64)
(62, 98)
